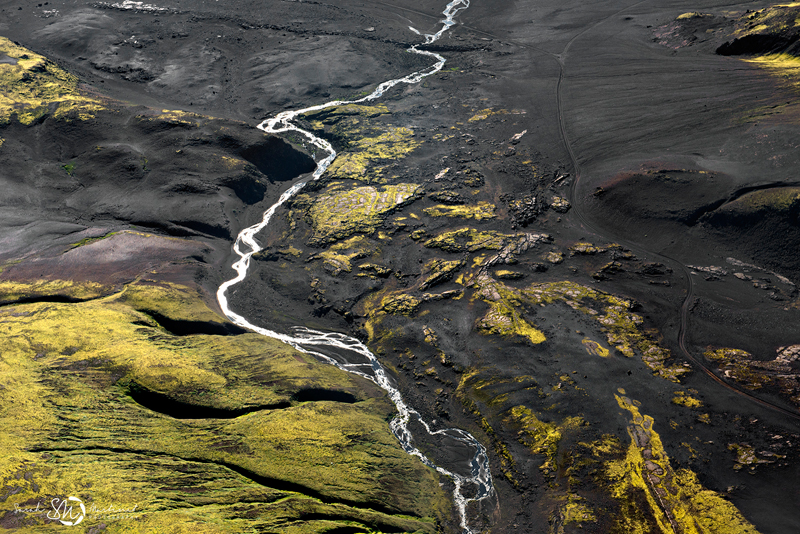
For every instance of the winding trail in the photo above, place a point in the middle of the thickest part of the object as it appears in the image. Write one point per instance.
(348, 353)
(587, 225)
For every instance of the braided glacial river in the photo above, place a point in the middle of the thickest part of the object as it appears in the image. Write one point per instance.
(475, 481)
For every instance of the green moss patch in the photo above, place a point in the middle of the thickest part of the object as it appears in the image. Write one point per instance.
(480, 211)
(540, 437)
(468, 240)
(73, 425)
(364, 153)
(675, 498)
(437, 271)
(339, 213)
(33, 87)
(366, 143)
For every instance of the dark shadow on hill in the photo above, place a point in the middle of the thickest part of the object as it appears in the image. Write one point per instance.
(164, 404)
(178, 327)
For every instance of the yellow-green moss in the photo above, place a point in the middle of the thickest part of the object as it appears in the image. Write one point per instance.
(692, 15)
(90, 240)
(504, 320)
(746, 456)
(486, 113)
(738, 365)
(622, 327)
(504, 317)
(505, 274)
(337, 213)
(339, 257)
(595, 348)
(469, 387)
(480, 211)
(374, 270)
(577, 511)
(430, 335)
(538, 436)
(682, 399)
(401, 304)
(29, 88)
(467, 240)
(333, 114)
(675, 497)
(13, 291)
(560, 204)
(772, 22)
(177, 116)
(437, 271)
(394, 144)
(554, 257)
(584, 248)
(775, 201)
(71, 428)
(368, 145)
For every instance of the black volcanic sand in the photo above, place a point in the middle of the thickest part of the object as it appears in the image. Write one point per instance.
(668, 144)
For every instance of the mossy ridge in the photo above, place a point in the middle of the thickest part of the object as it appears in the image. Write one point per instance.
(621, 326)
(779, 18)
(781, 201)
(469, 388)
(540, 437)
(438, 271)
(402, 303)
(488, 112)
(171, 494)
(358, 162)
(364, 143)
(683, 398)
(503, 317)
(36, 289)
(676, 499)
(173, 301)
(468, 240)
(65, 359)
(35, 87)
(480, 211)
(339, 213)
(339, 257)
(90, 240)
(741, 366)
(769, 35)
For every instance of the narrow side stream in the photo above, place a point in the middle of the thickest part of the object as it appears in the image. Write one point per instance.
(349, 354)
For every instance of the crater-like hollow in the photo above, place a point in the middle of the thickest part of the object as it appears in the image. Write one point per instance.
(55, 299)
(277, 159)
(319, 394)
(163, 404)
(178, 327)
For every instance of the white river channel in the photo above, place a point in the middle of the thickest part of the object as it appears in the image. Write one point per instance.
(475, 482)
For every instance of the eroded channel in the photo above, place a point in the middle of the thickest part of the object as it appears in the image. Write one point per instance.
(472, 481)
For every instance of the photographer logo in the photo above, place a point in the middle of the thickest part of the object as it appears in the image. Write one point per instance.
(69, 511)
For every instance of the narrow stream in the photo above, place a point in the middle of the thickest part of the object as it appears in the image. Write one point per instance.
(347, 353)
